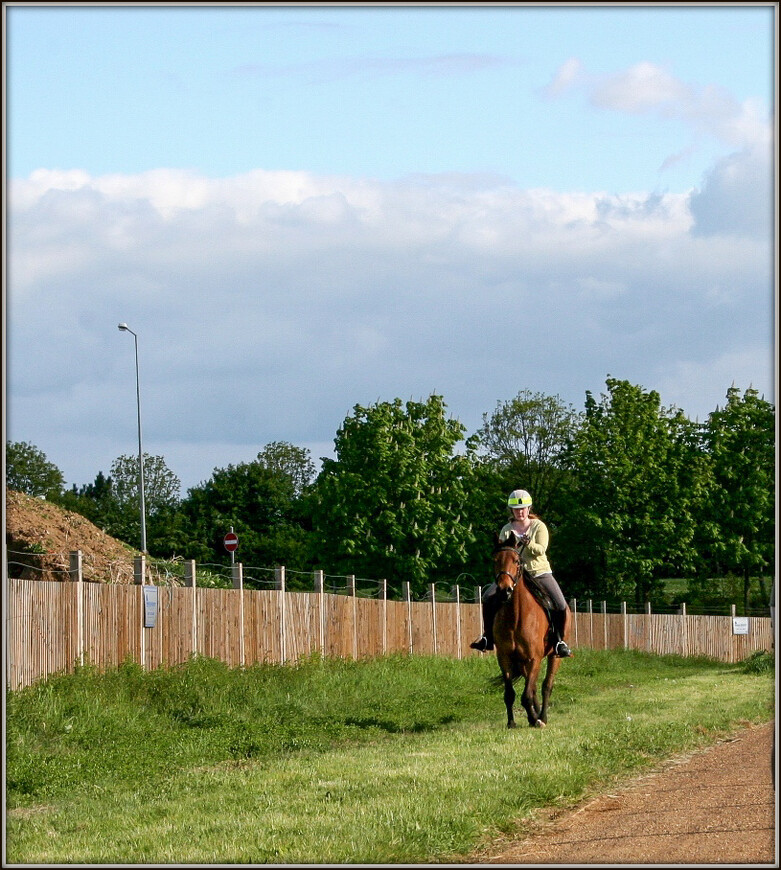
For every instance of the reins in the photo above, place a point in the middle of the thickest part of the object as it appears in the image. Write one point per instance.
(513, 577)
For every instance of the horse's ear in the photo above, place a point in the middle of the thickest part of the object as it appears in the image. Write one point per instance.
(512, 539)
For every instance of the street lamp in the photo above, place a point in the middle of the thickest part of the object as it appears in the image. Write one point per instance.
(125, 328)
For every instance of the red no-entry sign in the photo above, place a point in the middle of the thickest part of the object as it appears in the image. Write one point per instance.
(231, 542)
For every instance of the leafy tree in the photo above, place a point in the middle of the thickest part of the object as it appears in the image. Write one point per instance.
(260, 500)
(95, 501)
(739, 513)
(161, 498)
(28, 470)
(395, 501)
(521, 445)
(286, 460)
(161, 486)
(638, 475)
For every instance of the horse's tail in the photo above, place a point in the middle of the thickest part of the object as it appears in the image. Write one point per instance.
(515, 673)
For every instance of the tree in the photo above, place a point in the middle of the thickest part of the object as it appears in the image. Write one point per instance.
(95, 501)
(261, 501)
(739, 513)
(522, 444)
(395, 501)
(28, 470)
(161, 486)
(637, 478)
(286, 460)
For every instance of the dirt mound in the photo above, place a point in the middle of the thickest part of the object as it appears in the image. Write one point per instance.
(40, 536)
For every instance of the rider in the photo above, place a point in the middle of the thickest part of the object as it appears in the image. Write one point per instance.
(532, 534)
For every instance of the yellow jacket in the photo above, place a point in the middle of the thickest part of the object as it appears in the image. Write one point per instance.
(533, 555)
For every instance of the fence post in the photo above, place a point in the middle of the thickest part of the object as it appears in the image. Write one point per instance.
(458, 621)
(384, 593)
(623, 614)
(77, 576)
(684, 630)
(237, 570)
(648, 626)
(591, 623)
(351, 592)
(321, 610)
(139, 577)
(479, 602)
(408, 599)
(433, 589)
(189, 581)
(573, 606)
(279, 579)
(603, 609)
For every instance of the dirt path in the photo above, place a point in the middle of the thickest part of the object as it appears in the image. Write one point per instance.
(715, 806)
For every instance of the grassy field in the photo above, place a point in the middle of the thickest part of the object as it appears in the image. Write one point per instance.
(391, 761)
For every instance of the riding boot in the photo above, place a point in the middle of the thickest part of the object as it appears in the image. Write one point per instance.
(486, 641)
(560, 648)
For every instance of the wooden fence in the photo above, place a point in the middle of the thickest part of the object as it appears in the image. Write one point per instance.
(53, 626)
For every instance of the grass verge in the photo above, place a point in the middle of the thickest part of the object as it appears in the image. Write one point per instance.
(389, 761)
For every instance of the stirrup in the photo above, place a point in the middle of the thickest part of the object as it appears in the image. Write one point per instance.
(562, 650)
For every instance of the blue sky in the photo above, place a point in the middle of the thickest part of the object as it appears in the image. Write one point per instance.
(300, 209)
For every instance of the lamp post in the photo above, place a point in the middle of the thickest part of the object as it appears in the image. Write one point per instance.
(125, 328)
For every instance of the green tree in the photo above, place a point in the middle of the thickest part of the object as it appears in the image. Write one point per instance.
(95, 501)
(394, 503)
(161, 499)
(739, 513)
(522, 444)
(638, 475)
(261, 501)
(288, 461)
(28, 470)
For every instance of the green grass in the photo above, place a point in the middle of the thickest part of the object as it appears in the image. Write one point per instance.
(395, 760)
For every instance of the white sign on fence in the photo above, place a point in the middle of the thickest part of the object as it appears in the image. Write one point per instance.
(150, 606)
(740, 625)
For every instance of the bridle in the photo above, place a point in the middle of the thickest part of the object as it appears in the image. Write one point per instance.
(514, 578)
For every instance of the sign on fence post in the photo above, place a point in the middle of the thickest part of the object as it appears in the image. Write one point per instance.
(150, 606)
(740, 625)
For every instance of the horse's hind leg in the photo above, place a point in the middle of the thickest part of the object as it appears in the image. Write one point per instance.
(509, 699)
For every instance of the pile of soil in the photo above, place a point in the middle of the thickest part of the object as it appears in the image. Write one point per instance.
(40, 536)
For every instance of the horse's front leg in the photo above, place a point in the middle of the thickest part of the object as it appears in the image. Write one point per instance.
(547, 684)
(529, 696)
(509, 699)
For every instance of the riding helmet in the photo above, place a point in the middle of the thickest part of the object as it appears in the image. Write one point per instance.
(519, 498)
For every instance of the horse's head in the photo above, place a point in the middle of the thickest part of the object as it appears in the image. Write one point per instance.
(507, 566)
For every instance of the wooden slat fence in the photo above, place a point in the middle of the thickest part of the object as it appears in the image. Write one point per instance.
(53, 626)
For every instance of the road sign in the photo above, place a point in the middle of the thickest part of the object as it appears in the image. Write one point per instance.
(231, 542)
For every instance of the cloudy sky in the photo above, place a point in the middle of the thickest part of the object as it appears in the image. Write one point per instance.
(298, 209)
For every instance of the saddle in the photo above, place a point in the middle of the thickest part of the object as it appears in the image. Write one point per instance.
(540, 595)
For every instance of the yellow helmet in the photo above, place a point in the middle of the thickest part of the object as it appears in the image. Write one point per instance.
(519, 498)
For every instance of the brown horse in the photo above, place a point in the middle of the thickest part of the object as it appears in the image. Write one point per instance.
(522, 636)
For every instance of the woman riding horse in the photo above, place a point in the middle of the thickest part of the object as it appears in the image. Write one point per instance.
(532, 534)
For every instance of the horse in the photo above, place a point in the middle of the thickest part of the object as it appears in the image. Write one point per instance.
(522, 636)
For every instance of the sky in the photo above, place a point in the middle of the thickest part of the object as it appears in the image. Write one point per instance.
(298, 209)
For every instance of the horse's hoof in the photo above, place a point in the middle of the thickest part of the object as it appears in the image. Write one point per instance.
(511, 724)
(539, 724)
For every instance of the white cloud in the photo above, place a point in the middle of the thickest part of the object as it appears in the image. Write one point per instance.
(268, 304)
(647, 88)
